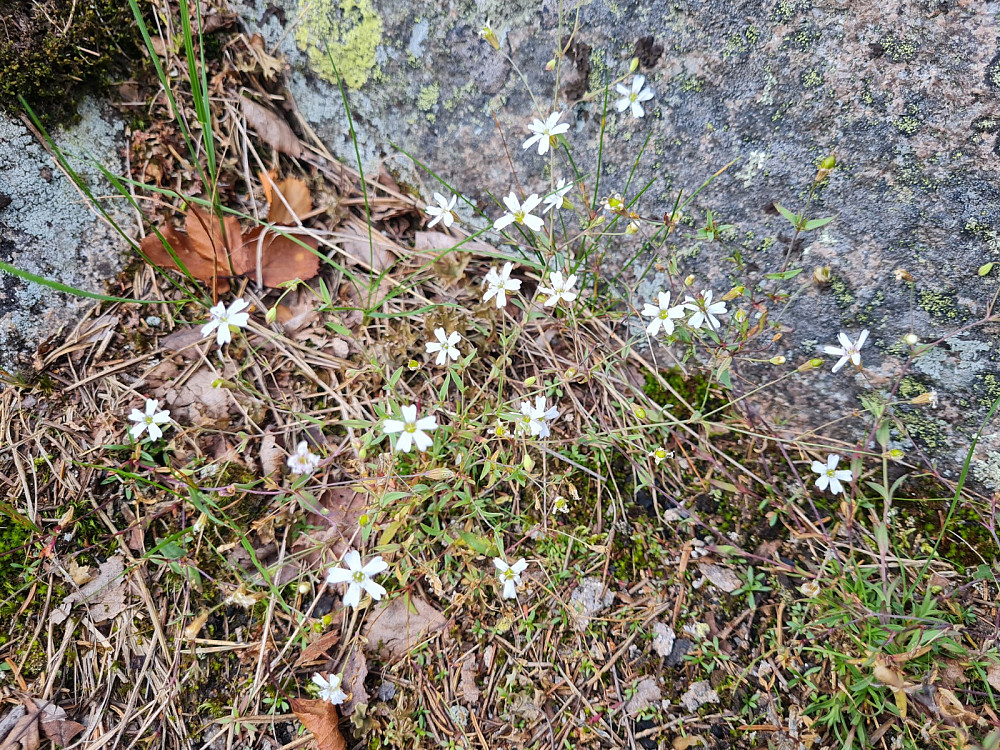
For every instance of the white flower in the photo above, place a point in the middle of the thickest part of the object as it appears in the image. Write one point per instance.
(544, 133)
(704, 311)
(557, 198)
(662, 314)
(509, 575)
(224, 320)
(445, 346)
(329, 688)
(520, 213)
(561, 288)
(498, 284)
(660, 455)
(149, 420)
(830, 476)
(847, 351)
(412, 430)
(635, 97)
(560, 505)
(303, 461)
(536, 418)
(358, 577)
(443, 211)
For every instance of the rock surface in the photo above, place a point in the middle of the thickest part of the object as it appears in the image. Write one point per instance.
(905, 92)
(47, 229)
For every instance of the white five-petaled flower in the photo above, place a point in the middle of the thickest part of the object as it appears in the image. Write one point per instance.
(634, 97)
(149, 420)
(560, 289)
(520, 213)
(412, 431)
(358, 577)
(224, 320)
(830, 476)
(660, 455)
(443, 211)
(535, 419)
(330, 688)
(445, 346)
(509, 575)
(557, 198)
(544, 133)
(303, 461)
(662, 314)
(703, 311)
(847, 351)
(560, 505)
(499, 283)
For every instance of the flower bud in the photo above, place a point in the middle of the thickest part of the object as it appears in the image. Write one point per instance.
(271, 315)
(736, 291)
(829, 162)
(633, 65)
(304, 588)
(779, 360)
(911, 339)
(413, 365)
(689, 280)
(440, 473)
(930, 397)
(810, 589)
(528, 382)
(550, 65)
(895, 454)
(902, 274)
(821, 275)
(639, 412)
(632, 228)
(528, 462)
(812, 364)
(490, 36)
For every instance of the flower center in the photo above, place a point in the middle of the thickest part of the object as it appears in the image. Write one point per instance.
(410, 427)
(148, 419)
(359, 576)
(633, 96)
(519, 218)
(508, 575)
(663, 314)
(830, 473)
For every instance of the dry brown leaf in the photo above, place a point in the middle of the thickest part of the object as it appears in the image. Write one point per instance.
(194, 627)
(271, 128)
(320, 718)
(297, 197)
(317, 650)
(366, 251)
(467, 682)
(993, 675)
(104, 596)
(271, 456)
(80, 574)
(282, 258)
(269, 66)
(19, 729)
(396, 627)
(355, 671)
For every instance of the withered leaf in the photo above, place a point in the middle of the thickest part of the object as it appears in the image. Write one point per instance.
(296, 195)
(320, 718)
(19, 729)
(282, 258)
(273, 130)
(396, 627)
(317, 650)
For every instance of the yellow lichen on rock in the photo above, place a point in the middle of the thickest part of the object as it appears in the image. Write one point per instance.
(347, 31)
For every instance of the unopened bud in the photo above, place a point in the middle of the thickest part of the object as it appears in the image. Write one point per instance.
(895, 454)
(271, 315)
(779, 360)
(413, 365)
(736, 291)
(528, 462)
(911, 339)
(689, 280)
(902, 274)
(551, 65)
(490, 36)
(305, 587)
(930, 397)
(633, 65)
(812, 364)
(440, 473)
(639, 412)
(570, 373)
(528, 382)
(632, 228)
(740, 316)
(829, 162)
(821, 275)
(500, 431)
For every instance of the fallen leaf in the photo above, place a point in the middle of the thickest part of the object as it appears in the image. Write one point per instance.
(588, 599)
(104, 596)
(207, 250)
(683, 743)
(194, 627)
(80, 574)
(19, 729)
(993, 675)
(397, 626)
(355, 671)
(366, 250)
(289, 200)
(320, 718)
(722, 578)
(271, 456)
(281, 258)
(271, 128)
(317, 650)
(467, 682)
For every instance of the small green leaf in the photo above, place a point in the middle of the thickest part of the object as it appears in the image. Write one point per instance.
(793, 218)
(817, 223)
(985, 268)
(784, 275)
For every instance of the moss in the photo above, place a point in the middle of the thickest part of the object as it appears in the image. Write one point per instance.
(53, 53)
(841, 293)
(341, 37)
(696, 389)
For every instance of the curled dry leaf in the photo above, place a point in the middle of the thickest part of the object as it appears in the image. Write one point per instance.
(24, 726)
(215, 252)
(272, 129)
(320, 718)
(355, 671)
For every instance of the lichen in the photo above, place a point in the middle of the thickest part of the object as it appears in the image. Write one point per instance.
(941, 306)
(341, 37)
(428, 98)
(898, 49)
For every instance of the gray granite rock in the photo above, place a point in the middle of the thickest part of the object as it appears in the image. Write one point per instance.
(47, 229)
(907, 94)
